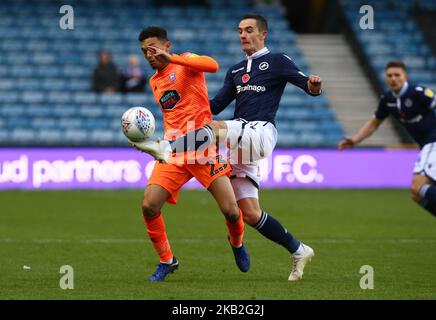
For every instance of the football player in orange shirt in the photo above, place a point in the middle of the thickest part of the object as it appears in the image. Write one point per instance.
(179, 88)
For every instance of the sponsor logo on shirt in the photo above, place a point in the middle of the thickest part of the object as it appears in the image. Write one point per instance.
(169, 99)
(249, 87)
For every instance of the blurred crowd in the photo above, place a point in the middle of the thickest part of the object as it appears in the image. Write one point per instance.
(108, 78)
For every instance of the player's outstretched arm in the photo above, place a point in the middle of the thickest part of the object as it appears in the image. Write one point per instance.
(198, 63)
(365, 131)
(190, 60)
(314, 84)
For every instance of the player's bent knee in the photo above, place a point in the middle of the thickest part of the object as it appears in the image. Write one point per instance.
(149, 209)
(231, 212)
(251, 217)
(414, 192)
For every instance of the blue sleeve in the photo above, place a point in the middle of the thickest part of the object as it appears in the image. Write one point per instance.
(382, 111)
(290, 73)
(225, 95)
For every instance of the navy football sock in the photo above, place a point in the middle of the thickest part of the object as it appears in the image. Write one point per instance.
(194, 140)
(428, 198)
(273, 230)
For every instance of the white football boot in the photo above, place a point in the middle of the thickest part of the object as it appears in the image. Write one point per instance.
(299, 261)
(160, 150)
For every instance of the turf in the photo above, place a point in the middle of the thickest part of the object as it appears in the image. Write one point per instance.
(102, 236)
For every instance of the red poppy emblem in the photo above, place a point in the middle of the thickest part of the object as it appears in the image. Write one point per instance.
(245, 78)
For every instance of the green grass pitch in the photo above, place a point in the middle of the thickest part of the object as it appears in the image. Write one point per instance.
(102, 236)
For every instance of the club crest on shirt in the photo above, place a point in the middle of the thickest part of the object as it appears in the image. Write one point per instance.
(172, 77)
(408, 103)
(263, 65)
(245, 78)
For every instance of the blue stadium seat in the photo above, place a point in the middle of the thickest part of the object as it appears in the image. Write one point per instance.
(397, 30)
(64, 110)
(85, 97)
(21, 71)
(109, 99)
(52, 135)
(70, 122)
(45, 73)
(76, 71)
(78, 85)
(27, 84)
(37, 45)
(59, 97)
(136, 99)
(18, 122)
(76, 136)
(90, 111)
(6, 84)
(20, 135)
(4, 136)
(38, 123)
(12, 110)
(33, 110)
(32, 97)
(43, 58)
(102, 136)
(288, 138)
(4, 71)
(114, 111)
(12, 45)
(58, 84)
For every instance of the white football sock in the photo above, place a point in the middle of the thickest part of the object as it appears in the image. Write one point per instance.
(301, 249)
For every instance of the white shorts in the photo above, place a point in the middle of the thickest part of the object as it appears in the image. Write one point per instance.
(426, 162)
(254, 140)
(248, 143)
(244, 188)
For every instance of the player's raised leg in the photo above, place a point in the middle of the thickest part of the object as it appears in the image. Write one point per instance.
(222, 191)
(199, 139)
(423, 192)
(154, 198)
(269, 227)
(213, 132)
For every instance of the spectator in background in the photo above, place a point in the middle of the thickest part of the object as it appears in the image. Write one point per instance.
(105, 78)
(133, 78)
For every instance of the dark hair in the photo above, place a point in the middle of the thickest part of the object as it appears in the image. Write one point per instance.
(153, 31)
(261, 22)
(396, 64)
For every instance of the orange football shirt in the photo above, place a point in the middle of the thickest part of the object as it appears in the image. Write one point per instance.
(181, 93)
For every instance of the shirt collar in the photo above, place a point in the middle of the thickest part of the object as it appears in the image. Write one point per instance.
(258, 53)
(402, 91)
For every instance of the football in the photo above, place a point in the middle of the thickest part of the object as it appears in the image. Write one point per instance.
(138, 124)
